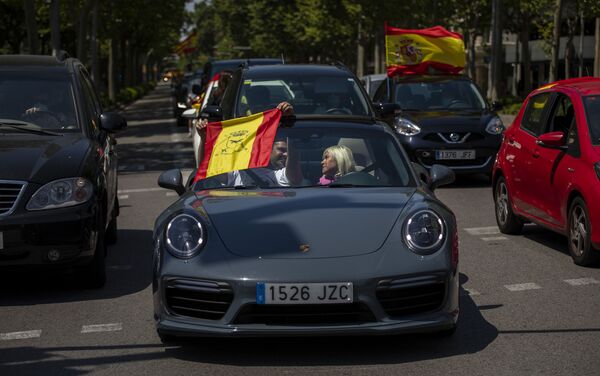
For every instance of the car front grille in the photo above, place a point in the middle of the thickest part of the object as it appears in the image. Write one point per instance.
(198, 298)
(309, 314)
(408, 296)
(9, 195)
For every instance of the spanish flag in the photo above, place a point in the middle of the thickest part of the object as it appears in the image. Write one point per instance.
(416, 51)
(239, 144)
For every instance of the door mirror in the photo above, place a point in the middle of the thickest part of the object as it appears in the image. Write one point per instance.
(172, 179)
(496, 106)
(422, 173)
(196, 89)
(386, 109)
(112, 122)
(189, 113)
(552, 140)
(440, 175)
(212, 113)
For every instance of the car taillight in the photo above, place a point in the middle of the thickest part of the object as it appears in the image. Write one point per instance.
(454, 250)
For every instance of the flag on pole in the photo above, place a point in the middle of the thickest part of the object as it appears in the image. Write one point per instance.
(416, 51)
(238, 144)
(188, 45)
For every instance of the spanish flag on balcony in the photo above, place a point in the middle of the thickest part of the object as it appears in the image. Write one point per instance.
(421, 51)
(239, 144)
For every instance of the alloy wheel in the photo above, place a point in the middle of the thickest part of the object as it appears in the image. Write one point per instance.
(502, 203)
(578, 230)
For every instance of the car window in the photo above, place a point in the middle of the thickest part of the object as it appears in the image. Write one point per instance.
(592, 111)
(381, 93)
(562, 115)
(533, 120)
(362, 158)
(309, 94)
(46, 99)
(438, 95)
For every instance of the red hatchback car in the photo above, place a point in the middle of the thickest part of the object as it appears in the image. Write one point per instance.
(548, 168)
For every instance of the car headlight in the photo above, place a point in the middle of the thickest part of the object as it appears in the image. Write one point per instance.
(185, 236)
(424, 232)
(495, 126)
(406, 127)
(61, 193)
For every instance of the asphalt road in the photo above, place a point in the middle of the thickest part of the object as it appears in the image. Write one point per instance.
(526, 309)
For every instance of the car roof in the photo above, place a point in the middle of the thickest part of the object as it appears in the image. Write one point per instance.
(258, 71)
(34, 63)
(328, 121)
(430, 78)
(584, 85)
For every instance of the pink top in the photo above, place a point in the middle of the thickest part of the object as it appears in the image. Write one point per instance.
(324, 180)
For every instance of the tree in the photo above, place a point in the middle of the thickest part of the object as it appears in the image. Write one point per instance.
(55, 26)
(555, 40)
(33, 41)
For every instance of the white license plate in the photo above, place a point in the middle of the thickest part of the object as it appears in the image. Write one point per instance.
(304, 293)
(455, 154)
(1, 240)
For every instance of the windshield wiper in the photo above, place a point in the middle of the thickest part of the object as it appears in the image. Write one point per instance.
(27, 127)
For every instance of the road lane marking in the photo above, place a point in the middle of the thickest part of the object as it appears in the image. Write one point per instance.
(523, 287)
(494, 238)
(491, 230)
(20, 335)
(123, 197)
(582, 281)
(471, 292)
(171, 194)
(140, 190)
(114, 327)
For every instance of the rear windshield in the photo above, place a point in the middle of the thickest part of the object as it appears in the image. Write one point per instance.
(439, 95)
(47, 100)
(592, 110)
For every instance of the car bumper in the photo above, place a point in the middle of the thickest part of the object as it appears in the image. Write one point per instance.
(243, 317)
(29, 237)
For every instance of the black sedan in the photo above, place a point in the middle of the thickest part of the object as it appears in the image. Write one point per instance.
(58, 173)
(442, 119)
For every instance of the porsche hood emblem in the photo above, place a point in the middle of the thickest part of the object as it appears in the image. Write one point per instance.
(304, 248)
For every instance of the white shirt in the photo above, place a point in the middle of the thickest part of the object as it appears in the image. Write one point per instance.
(273, 177)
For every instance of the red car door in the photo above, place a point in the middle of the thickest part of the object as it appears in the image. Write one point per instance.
(526, 153)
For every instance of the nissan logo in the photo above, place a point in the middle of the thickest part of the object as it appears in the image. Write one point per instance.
(454, 137)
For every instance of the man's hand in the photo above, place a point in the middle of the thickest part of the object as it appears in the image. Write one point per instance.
(286, 109)
(32, 110)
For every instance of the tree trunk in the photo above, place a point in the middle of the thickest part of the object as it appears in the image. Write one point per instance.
(525, 56)
(111, 70)
(82, 29)
(377, 54)
(94, 45)
(597, 49)
(496, 58)
(581, 30)
(55, 26)
(569, 48)
(555, 41)
(360, 53)
(33, 40)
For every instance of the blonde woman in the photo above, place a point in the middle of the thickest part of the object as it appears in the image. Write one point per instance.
(337, 162)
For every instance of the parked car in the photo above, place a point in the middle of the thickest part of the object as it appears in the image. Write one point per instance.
(442, 119)
(312, 90)
(58, 168)
(373, 252)
(371, 82)
(548, 168)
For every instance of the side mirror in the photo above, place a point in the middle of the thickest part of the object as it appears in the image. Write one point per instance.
(386, 109)
(196, 89)
(172, 179)
(552, 140)
(112, 122)
(496, 106)
(422, 173)
(190, 113)
(440, 175)
(212, 113)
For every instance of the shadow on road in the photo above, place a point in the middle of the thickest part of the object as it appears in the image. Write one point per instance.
(129, 270)
(470, 181)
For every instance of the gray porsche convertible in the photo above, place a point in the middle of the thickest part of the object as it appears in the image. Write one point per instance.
(340, 235)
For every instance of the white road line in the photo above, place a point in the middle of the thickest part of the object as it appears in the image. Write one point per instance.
(582, 281)
(20, 335)
(523, 287)
(171, 194)
(140, 190)
(494, 238)
(102, 328)
(471, 292)
(491, 230)
(123, 197)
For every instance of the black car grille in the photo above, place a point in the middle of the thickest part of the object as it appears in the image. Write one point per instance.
(197, 298)
(9, 193)
(309, 314)
(445, 137)
(410, 296)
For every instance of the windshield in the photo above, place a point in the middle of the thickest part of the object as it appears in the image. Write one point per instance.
(46, 101)
(309, 94)
(325, 158)
(439, 95)
(592, 110)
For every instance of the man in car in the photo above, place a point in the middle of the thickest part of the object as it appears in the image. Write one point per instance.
(49, 109)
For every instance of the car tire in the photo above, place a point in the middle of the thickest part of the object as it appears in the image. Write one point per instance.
(111, 230)
(580, 236)
(94, 274)
(508, 222)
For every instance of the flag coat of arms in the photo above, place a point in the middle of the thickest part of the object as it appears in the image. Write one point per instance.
(238, 144)
(416, 51)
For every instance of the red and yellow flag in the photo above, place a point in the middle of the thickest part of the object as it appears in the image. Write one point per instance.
(239, 144)
(415, 51)
(188, 45)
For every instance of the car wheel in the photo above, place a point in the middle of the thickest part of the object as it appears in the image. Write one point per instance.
(111, 230)
(580, 235)
(95, 273)
(507, 220)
